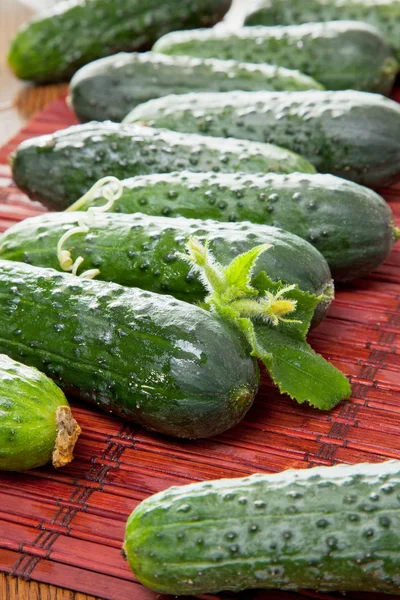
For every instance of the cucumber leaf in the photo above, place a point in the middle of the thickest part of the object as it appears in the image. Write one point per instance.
(291, 362)
(238, 273)
(299, 371)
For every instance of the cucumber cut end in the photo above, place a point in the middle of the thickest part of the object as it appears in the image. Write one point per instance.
(67, 436)
(396, 233)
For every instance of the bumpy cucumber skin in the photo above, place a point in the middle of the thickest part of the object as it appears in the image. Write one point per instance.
(28, 405)
(140, 250)
(340, 54)
(167, 365)
(382, 14)
(350, 225)
(110, 87)
(59, 41)
(355, 135)
(58, 169)
(327, 528)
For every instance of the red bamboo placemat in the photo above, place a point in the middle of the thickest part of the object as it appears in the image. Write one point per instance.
(66, 527)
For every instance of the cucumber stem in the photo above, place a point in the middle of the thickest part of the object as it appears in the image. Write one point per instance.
(68, 433)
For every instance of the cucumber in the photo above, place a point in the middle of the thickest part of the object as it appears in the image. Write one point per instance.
(36, 423)
(382, 14)
(140, 250)
(165, 364)
(110, 87)
(55, 44)
(355, 135)
(59, 168)
(339, 54)
(326, 528)
(323, 209)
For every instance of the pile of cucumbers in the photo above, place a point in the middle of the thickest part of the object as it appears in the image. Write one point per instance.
(221, 180)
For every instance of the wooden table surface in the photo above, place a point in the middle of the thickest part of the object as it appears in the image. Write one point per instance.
(12, 588)
(18, 102)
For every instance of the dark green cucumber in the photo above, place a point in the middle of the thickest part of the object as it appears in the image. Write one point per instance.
(57, 169)
(110, 87)
(140, 250)
(355, 135)
(349, 224)
(36, 423)
(165, 364)
(382, 14)
(340, 54)
(60, 40)
(326, 528)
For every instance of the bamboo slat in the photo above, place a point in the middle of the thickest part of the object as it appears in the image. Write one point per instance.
(65, 528)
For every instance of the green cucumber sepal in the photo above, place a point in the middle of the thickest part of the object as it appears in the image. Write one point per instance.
(279, 342)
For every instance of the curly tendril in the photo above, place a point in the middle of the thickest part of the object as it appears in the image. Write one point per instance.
(108, 193)
(111, 191)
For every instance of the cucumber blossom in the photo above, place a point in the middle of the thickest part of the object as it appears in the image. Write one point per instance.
(354, 135)
(58, 169)
(110, 87)
(339, 54)
(326, 528)
(36, 423)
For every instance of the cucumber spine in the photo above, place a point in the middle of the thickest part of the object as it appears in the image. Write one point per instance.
(53, 45)
(354, 135)
(167, 365)
(322, 209)
(326, 528)
(382, 14)
(340, 54)
(58, 169)
(141, 251)
(110, 87)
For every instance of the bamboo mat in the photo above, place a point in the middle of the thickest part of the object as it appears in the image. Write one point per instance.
(66, 528)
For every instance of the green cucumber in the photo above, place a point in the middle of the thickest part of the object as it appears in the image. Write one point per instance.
(36, 423)
(355, 135)
(382, 14)
(340, 54)
(59, 168)
(326, 528)
(323, 209)
(140, 250)
(58, 41)
(165, 364)
(110, 87)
